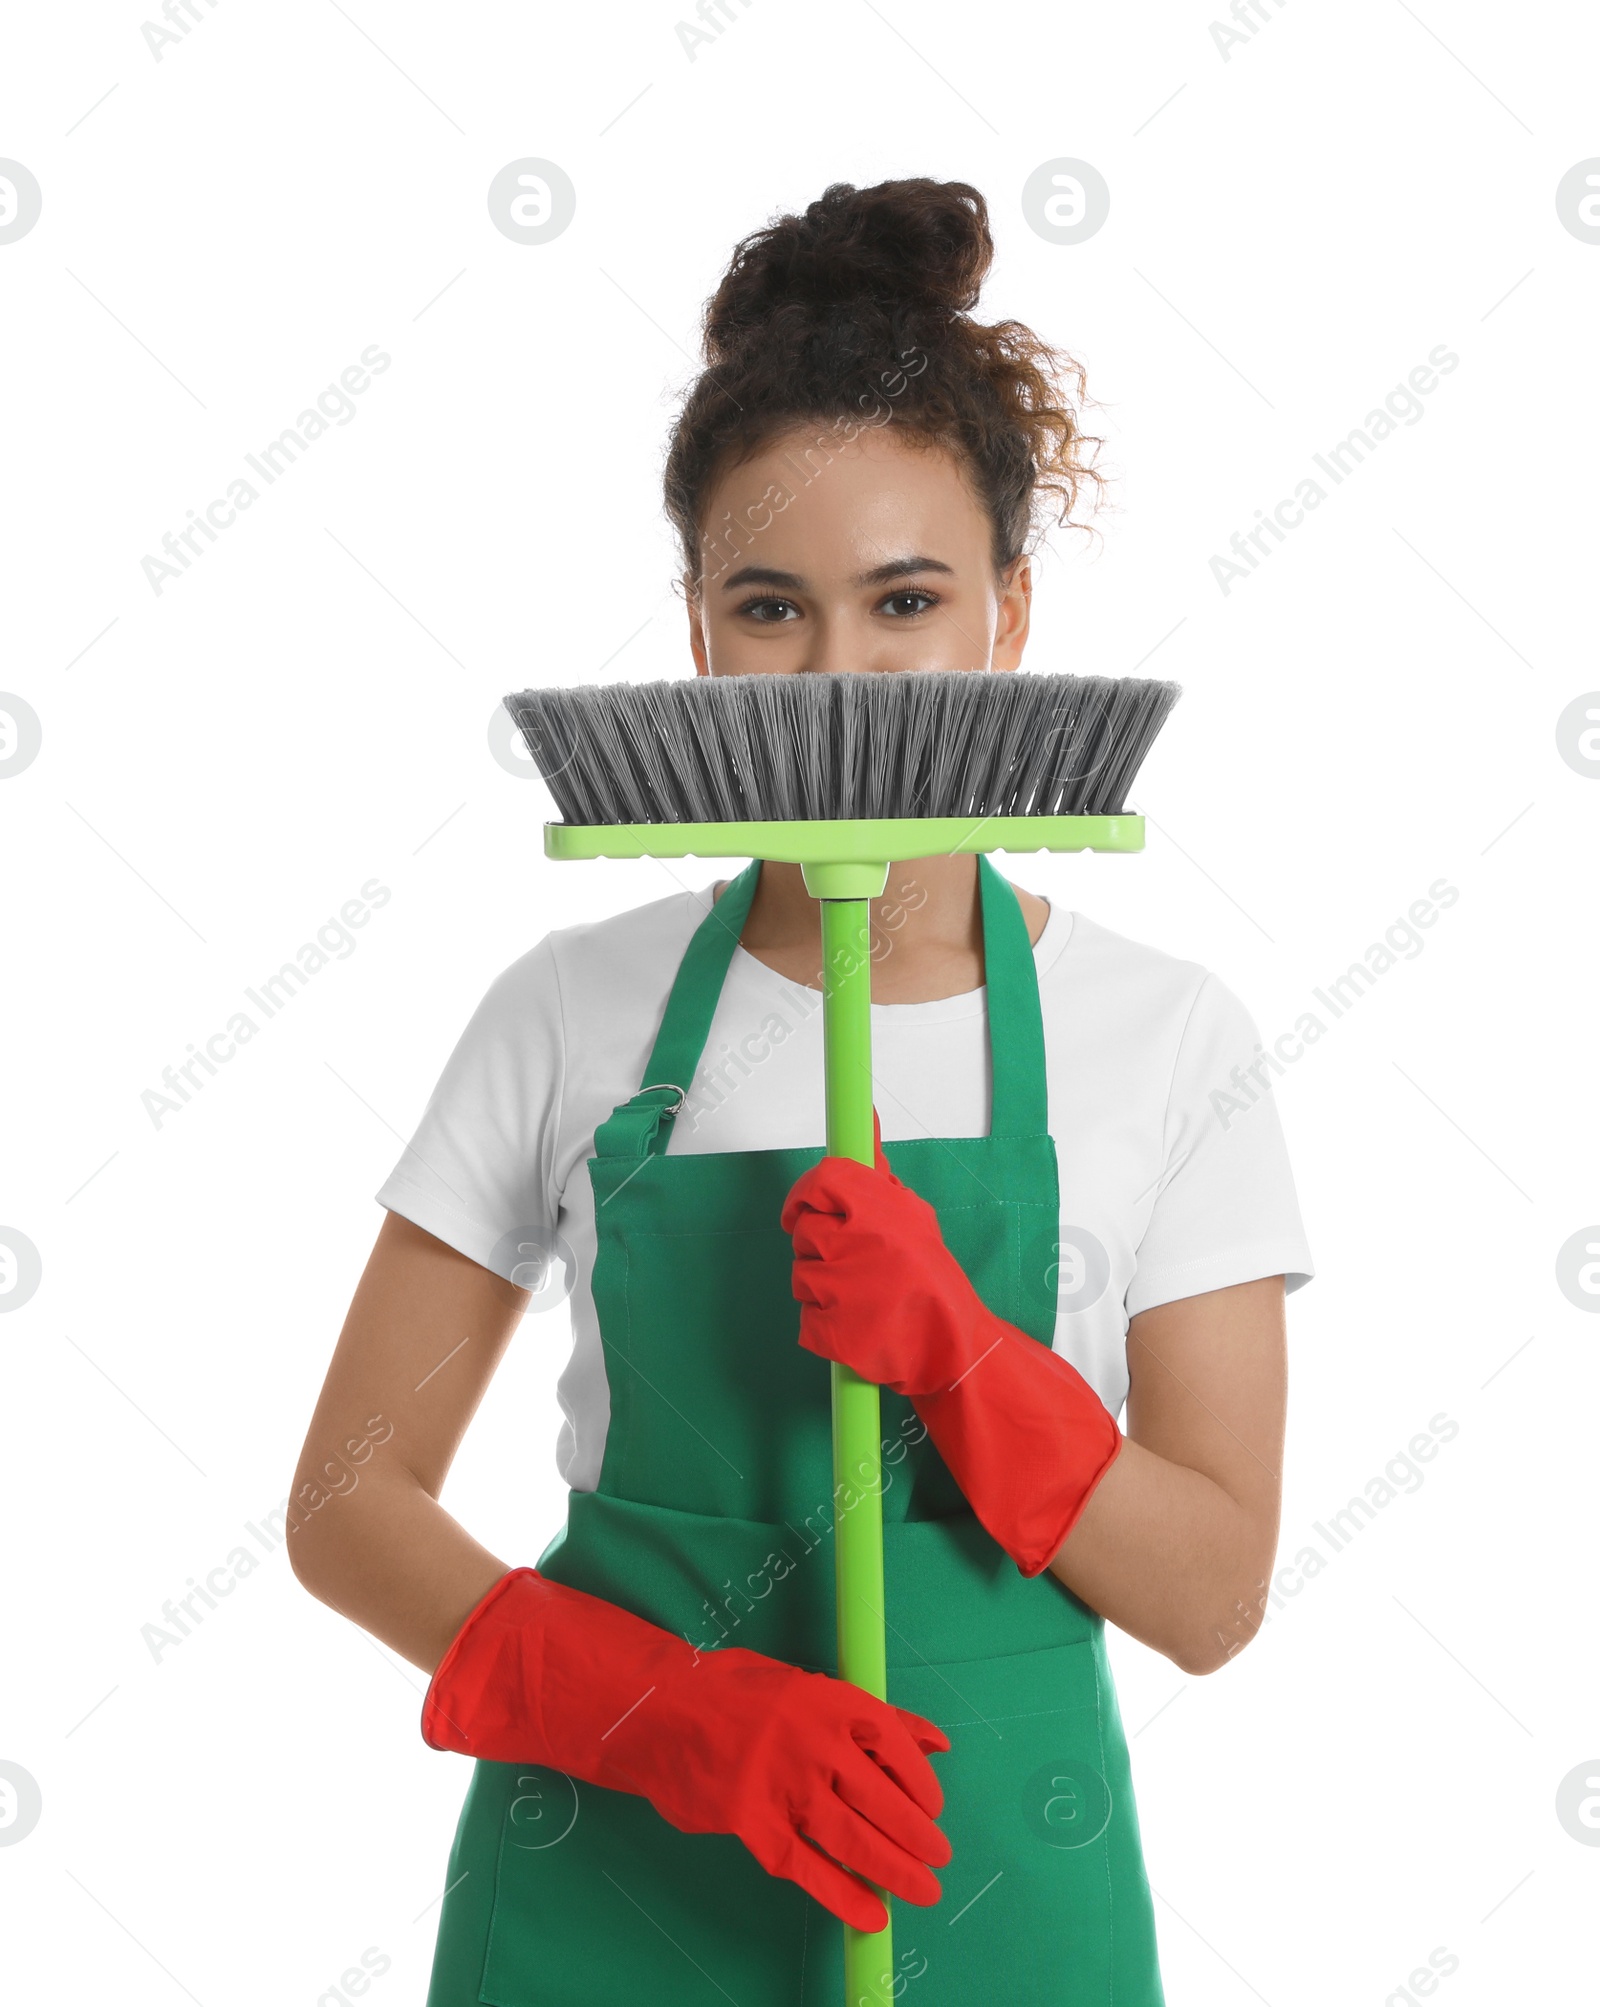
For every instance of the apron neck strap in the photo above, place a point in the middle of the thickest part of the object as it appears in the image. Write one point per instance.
(1018, 1104)
(641, 1125)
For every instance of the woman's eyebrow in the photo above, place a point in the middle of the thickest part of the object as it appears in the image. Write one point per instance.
(903, 567)
(762, 574)
(883, 574)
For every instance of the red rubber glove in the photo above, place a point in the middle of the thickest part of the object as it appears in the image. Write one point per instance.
(727, 1741)
(1024, 1434)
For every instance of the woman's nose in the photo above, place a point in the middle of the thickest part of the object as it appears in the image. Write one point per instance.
(835, 642)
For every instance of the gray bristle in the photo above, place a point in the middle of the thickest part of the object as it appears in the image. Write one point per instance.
(805, 748)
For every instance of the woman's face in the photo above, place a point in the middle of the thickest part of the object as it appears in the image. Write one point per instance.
(822, 554)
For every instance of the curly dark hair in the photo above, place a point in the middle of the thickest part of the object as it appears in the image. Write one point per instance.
(863, 306)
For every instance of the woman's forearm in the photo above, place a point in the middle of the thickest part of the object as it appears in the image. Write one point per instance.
(1177, 1539)
(368, 1535)
(389, 1557)
(1167, 1555)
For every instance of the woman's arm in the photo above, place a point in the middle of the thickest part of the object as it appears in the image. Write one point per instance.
(1177, 1539)
(425, 1330)
(731, 1742)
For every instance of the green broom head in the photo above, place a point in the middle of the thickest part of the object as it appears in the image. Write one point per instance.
(756, 765)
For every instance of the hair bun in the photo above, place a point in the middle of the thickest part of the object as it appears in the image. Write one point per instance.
(916, 245)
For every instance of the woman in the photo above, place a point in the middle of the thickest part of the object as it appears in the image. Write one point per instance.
(674, 1799)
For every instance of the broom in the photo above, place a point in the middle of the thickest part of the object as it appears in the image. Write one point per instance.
(845, 774)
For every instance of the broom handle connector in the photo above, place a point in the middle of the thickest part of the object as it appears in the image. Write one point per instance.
(845, 881)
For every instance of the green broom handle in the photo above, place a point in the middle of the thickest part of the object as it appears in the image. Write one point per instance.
(857, 1439)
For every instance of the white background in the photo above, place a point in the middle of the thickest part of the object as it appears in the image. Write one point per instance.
(1293, 227)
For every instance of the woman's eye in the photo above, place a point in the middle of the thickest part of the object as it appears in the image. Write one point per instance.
(769, 612)
(902, 605)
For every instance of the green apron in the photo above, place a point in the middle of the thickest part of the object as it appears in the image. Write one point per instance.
(713, 1518)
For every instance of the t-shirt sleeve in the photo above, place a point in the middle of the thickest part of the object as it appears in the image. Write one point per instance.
(1225, 1209)
(478, 1172)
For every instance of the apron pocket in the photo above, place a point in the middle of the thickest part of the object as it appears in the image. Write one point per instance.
(1045, 1896)
(599, 1902)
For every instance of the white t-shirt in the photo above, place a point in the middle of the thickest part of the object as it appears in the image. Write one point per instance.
(1161, 1196)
